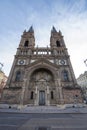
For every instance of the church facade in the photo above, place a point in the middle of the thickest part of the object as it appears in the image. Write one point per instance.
(41, 75)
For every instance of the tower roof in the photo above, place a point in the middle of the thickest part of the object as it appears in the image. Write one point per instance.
(31, 29)
(60, 32)
(54, 30)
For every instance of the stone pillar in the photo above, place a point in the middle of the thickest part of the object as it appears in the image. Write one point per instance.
(57, 92)
(47, 51)
(30, 52)
(48, 100)
(60, 92)
(36, 96)
(23, 93)
(37, 50)
(55, 52)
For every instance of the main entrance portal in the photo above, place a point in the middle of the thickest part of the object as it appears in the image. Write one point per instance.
(42, 84)
(42, 98)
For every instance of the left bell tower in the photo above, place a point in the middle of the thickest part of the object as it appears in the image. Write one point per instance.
(27, 39)
(21, 61)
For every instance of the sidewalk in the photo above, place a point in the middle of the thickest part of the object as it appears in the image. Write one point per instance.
(44, 109)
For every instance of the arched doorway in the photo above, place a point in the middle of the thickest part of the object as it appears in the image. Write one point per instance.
(42, 82)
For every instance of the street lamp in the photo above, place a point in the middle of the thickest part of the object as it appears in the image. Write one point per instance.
(1, 65)
(85, 61)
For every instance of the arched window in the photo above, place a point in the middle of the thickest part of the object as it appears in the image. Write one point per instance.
(26, 43)
(18, 76)
(65, 75)
(58, 43)
(32, 95)
(52, 96)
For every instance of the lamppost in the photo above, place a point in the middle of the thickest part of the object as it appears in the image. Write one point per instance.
(1, 65)
(85, 61)
(1, 83)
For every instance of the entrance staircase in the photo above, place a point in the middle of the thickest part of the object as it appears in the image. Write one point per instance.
(43, 109)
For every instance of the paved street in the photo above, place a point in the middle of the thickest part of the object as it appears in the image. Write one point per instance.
(38, 121)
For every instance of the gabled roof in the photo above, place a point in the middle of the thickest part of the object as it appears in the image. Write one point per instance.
(43, 62)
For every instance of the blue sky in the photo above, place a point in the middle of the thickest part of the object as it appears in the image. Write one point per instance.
(69, 16)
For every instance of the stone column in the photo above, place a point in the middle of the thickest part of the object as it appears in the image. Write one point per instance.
(60, 92)
(37, 50)
(48, 100)
(22, 93)
(57, 91)
(30, 52)
(36, 96)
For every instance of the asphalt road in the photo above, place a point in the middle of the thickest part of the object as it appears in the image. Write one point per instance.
(18, 121)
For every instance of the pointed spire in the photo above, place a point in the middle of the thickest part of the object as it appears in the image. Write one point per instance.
(31, 29)
(60, 32)
(54, 30)
(24, 31)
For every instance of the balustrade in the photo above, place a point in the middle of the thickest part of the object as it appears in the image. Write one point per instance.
(41, 51)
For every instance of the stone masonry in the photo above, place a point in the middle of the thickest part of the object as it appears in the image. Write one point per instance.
(41, 75)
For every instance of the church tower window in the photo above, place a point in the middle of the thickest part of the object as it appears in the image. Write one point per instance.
(65, 75)
(58, 43)
(18, 76)
(26, 43)
(32, 95)
(52, 95)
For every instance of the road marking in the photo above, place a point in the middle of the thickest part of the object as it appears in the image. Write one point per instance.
(13, 118)
(8, 125)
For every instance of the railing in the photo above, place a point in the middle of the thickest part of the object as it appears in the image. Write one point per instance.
(41, 51)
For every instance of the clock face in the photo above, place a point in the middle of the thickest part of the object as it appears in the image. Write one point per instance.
(62, 62)
(21, 62)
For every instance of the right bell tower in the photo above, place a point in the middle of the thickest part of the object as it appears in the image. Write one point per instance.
(67, 78)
